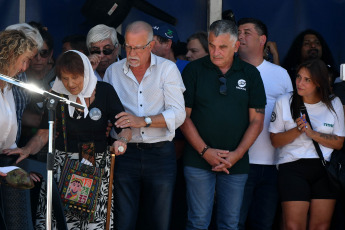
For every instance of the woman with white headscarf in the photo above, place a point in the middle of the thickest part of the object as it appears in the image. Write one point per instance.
(77, 82)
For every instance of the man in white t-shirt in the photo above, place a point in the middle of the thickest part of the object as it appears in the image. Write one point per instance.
(261, 195)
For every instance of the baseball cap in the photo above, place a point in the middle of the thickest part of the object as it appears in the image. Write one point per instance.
(166, 31)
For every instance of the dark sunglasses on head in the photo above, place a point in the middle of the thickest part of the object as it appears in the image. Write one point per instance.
(105, 51)
(222, 89)
(43, 53)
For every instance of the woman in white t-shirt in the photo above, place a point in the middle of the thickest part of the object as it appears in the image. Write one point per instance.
(16, 51)
(302, 180)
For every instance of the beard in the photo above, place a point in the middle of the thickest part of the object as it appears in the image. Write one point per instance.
(133, 61)
(313, 53)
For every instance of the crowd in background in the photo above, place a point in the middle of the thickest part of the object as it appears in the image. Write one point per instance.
(211, 133)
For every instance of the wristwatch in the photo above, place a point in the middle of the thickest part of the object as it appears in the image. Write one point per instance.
(148, 121)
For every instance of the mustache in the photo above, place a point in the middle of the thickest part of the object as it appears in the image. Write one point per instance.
(313, 50)
(134, 58)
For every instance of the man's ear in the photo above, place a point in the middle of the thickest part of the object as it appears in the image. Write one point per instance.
(152, 44)
(169, 43)
(237, 45)
(263, 40)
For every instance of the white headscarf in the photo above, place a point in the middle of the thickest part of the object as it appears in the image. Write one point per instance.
(90, 81)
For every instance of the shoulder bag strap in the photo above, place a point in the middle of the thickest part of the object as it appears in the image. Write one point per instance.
(317, 146)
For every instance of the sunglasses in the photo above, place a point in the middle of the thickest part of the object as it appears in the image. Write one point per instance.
(43, 53)
(105, 51)
(222, 89)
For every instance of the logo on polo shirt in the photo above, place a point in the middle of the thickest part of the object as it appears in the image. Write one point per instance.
(241, 84)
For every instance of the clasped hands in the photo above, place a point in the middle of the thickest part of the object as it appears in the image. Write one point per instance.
(303, 126)
(220, 160)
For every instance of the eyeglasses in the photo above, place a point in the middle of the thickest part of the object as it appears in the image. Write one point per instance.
(136, 49)
(222, 89)
(43, 53)
(105, 51)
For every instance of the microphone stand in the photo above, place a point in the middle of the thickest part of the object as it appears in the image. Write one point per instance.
(52, 100)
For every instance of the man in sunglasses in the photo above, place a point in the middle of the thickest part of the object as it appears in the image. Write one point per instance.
(103, 46)
(151, 91)
(258, 209)
(225, 105)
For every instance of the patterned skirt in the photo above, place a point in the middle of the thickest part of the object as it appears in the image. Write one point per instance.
(73, 222)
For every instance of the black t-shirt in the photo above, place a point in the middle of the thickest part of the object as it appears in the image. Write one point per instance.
(85, 129)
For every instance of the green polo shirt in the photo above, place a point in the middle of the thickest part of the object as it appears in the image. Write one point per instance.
(221, 120)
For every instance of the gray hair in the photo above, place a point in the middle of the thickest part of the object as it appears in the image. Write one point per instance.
(29, 31)
(140, 26)
(100, 33)
(224, 27)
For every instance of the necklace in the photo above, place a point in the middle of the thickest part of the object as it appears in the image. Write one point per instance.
(78, 114)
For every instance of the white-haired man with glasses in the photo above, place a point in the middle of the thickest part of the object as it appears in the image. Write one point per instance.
(103, 46)
(151, 91)
(225, 105)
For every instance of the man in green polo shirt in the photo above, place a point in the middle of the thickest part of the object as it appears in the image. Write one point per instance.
(225, 105)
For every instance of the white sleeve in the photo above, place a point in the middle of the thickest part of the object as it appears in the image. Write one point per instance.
(339, 126)
(288, 83)
(277, 121)
(175, 112)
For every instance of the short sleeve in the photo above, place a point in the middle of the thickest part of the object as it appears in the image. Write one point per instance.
(277, 121)
(339, 126)
(257, 91)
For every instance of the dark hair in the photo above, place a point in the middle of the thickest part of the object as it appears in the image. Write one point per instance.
(77, 41)
(260, 27)
(202, 37)
(69, 62)
(293, 57)
(46, 36)
(228, 15)
(174, 45)
(319, 76)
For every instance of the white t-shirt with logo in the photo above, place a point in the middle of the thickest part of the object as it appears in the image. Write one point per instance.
(322, 120)
(276, 82)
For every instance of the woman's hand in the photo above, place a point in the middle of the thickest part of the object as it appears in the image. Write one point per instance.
(23, 153)
(304, 127)
(35, 176)
(120, 147)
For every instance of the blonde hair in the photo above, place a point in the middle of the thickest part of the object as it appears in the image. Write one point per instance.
(13, 43)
